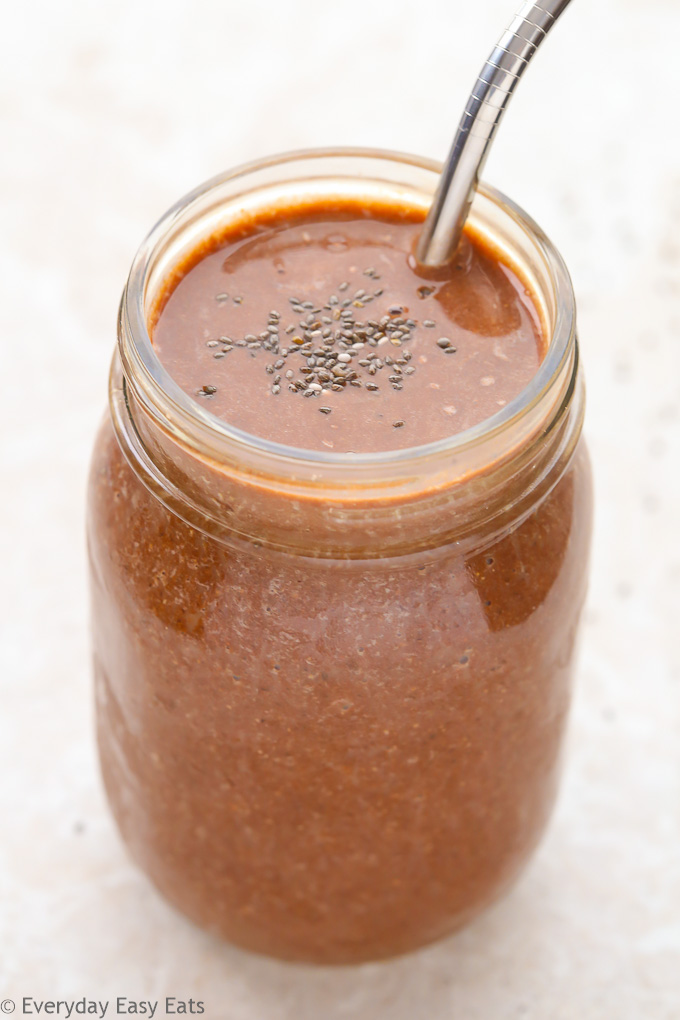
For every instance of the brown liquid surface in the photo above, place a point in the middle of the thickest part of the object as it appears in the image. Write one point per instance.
(230, 333)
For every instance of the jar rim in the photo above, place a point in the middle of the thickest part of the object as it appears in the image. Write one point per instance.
(166, 400)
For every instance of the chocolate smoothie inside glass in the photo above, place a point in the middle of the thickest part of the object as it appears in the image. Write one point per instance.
(339, 519)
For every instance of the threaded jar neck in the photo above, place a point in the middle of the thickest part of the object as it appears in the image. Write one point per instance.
(236, 486)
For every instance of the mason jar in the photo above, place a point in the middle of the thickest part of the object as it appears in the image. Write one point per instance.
(332, 688)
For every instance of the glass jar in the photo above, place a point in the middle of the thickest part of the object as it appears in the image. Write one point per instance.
(332, 689)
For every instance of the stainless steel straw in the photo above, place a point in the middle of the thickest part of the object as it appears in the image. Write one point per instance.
(444, 224)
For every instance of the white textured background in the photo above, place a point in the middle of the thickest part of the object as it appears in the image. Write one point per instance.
(108, 113)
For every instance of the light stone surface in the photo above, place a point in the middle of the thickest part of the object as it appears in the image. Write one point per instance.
(108, 113)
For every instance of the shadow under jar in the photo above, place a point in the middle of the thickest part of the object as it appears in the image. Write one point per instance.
(332, 688)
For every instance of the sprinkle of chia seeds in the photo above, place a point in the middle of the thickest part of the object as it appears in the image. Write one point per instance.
(207, 391)
(430, 323)
(398, 424)
(221, 298)
(443, 342)
(332, 359)
(325, 410)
